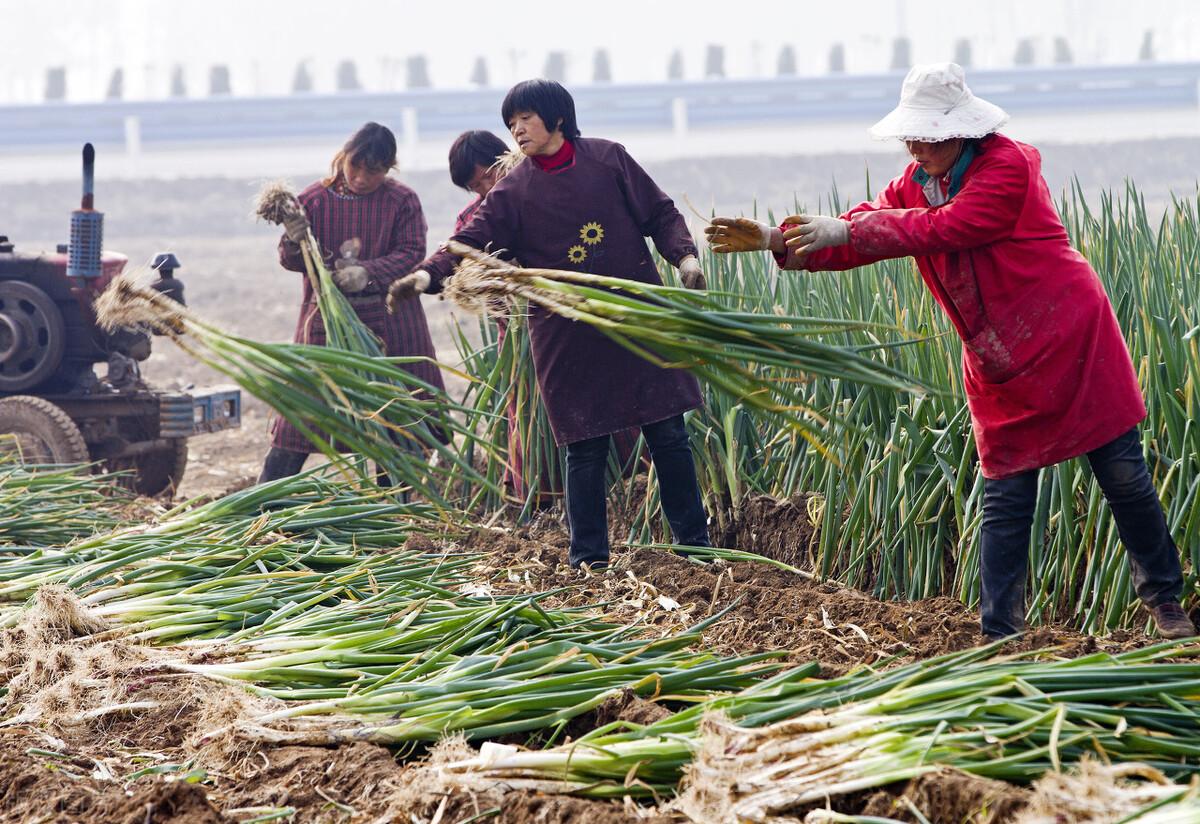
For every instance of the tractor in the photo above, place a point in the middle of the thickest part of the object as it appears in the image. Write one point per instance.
(54, 409)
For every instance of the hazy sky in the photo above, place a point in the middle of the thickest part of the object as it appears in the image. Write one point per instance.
(262, 41)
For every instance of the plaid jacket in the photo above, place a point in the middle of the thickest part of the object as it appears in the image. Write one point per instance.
(391, 226)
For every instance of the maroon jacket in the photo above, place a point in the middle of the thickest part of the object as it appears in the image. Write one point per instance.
(392, 228)
(591, 217)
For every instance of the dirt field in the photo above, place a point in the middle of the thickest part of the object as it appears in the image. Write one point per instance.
(66, 772)
(77, 768)
(232, 276)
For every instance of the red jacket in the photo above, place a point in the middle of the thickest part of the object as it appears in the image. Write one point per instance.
(1047, 372)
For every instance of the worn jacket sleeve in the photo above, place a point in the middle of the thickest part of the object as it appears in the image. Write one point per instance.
(984, 211)
(652, 210)
(290, 257)
(493, 226)
(408, 243)
(837, 258)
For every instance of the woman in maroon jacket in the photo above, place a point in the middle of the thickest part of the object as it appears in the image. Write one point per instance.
(473, 166)
(379, 223)
(584, 204)
(1047, 374)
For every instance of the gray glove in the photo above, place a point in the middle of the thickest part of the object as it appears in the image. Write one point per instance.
(296, 228)
(690, 273)
(350, 277)
(406, 287)
(813, 232)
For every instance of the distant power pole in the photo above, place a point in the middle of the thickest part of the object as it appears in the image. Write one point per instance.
(56, 83)
(837, 58)
(347, 77)
(714, 61)
(786, 66)
(1024, 54)
(302, 81)
(556, 67)
(962, 53)
(1062, 52)
(1146, 52)
(218, 81)
(178, 83)
(116, 85)
(675, 66)
(479, 74)
(601, 68)
(418, 72)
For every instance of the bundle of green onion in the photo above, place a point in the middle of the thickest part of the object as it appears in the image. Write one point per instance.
(681, 328)
(367, 405)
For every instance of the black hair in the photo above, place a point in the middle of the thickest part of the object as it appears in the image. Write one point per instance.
(372, 147)
(546, 98)
(477, 147)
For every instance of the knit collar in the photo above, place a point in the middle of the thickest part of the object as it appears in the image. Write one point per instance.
(560, 161)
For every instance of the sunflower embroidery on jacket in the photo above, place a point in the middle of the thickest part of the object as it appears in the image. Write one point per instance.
(591, 235)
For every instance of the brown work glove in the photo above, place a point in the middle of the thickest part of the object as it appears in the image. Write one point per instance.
(348, 272)
(296, 228)
(690, 273)
(406, 287)
(350, 277)
(741, 234)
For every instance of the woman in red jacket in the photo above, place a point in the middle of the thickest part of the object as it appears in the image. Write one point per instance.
(1046, 370)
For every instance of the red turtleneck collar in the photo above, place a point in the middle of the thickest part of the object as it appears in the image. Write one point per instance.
(560, 161)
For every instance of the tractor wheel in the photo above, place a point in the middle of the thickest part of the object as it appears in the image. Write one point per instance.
(153, 473)
(32, 336)
(38, 432)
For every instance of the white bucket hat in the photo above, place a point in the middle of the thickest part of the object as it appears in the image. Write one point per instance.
(936, 105)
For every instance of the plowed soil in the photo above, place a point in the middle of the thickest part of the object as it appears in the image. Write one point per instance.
(762, 608)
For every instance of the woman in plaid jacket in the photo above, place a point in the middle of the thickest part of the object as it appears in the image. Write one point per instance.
(375, 225)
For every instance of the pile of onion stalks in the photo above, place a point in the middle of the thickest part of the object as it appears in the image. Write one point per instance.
(54, 505)
(370, 406)
(301, 524)
(477, 666)
(787, 742)
(300, 592)
(686, 329)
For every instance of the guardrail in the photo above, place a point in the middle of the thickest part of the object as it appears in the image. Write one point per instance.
(603, 109)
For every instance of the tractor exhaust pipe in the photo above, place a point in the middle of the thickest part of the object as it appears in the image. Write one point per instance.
(87, 225)
(89, 178)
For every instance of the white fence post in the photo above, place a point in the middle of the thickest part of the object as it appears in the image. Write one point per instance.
(408, 127)
(679, 117)
(133, 135)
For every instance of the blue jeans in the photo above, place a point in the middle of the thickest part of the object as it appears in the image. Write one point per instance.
(1008, 506)
(587, 490)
